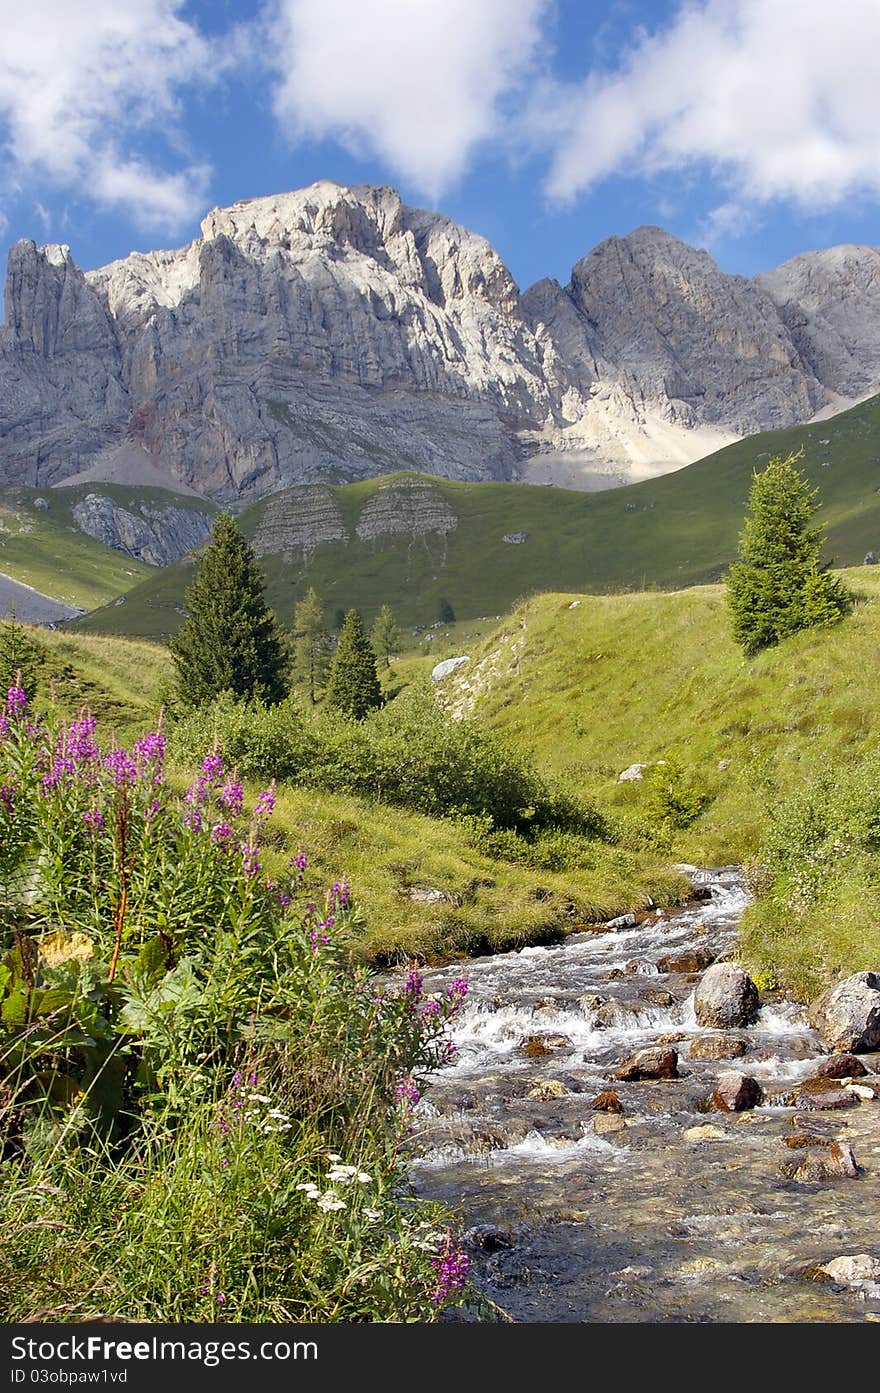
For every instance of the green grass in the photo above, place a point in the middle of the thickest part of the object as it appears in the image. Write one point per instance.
(492, 906)
(676, 531)
(43, 548)
(121, 681)
(623, 679)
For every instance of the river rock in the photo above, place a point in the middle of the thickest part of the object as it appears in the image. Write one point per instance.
(841, 1066)
(726, 997)
(735, 1092)
(656, 1062)
(848, 1016)
(605, 1122)
(853, 1271)
(837, 1162)
(547, 1090)
(607, 1101)
(717, 1047)
(823, 1095)
(690, 960)
(658, 996)
(707, 1131)
(535, 1046)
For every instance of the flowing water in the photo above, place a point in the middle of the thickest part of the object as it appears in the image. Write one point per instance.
(569, 1223)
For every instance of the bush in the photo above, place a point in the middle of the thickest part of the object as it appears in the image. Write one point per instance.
(673, 796)
(201, 1102)
(261, 742)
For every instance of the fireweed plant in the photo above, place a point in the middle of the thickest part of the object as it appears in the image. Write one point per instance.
(203, 1105)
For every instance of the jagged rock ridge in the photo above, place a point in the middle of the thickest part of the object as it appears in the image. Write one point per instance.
(335, 333)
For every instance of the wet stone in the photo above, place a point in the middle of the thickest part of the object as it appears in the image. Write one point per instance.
(605, 1122)
(607, 1101)
(735, 1092)
(841, 1066)
(656, 1062)
(836, 1163)
(690, 960)
(823, 1095)
(717, 1047)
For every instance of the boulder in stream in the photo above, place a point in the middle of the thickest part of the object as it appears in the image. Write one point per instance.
(841, 1066)
(607, 1101)
(726, 998)
(687, 960)
(856, 1271)
(836, 1162)
(736, 1092)
(848, 1016)
(823, 1095)
(656, 1062)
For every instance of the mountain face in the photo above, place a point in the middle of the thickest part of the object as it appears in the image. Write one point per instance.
(335, 333)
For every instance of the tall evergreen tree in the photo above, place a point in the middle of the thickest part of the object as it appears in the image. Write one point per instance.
(231, 640)
(311, 644)
(779, 585)
(386, 637)
(353, 685)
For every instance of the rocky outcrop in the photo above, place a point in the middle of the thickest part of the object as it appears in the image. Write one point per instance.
(299, 520)
(726, 998)
(334, 333)
(405, 508)
(848, 1015)
(155, 534)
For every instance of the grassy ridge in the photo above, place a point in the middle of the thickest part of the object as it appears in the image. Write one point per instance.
(672, 532)
(589, 685)
(120, 680)
(43, 548)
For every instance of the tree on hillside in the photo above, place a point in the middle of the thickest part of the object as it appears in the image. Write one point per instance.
(353, 685)
(231, 640)
(445, 612)
(779, 584)
(386, 637)
(21, 657)
(311, 644)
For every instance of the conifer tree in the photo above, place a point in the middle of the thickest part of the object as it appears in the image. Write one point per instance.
(386, 637)
(353, 685)
(231, 640)
(21, 656)
(779, 584)
(311, 644)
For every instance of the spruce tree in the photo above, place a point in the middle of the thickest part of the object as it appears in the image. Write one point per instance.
(385, 637)
(353, 685)
(231, 640)
(21, 657)
(311, 644)
(779, 585)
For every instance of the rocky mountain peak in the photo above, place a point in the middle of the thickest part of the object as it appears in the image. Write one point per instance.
(336, 332)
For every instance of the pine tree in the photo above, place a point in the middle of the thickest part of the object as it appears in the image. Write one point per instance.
(386, 637)
(21, 657)
(353, 685)
(779, 585)
(445, 612)
(231, 640)
(311, 644)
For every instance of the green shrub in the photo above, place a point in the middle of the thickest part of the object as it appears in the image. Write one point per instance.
(674, 797)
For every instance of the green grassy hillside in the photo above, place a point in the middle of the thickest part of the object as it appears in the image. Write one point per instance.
(121, 681)
(42, 547)
(675, 531)
(592, 684)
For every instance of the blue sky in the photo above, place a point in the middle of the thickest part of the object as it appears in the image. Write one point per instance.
(749, 126)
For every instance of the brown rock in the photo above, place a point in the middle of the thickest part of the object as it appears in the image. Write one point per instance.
(841, 1066)
(823, 1095)
(837, 1162)
(548, 1089)
(735, 1092)
(799, 1140)
(657, 996)
(692, 960)
(536, 1046)
(656, 1062)
(608, 1122)
(607, 1101)
(717, 1047)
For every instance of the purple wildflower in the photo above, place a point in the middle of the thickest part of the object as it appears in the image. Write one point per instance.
(94, 820)
(284, 899)
(407, 1094)
(300, 861)
(192, 819)
(221, 832)
(458, 990)
(7, 798)
(431, 1008)
(121, 766)
(212, 767)
(412, 987)
(16, 701)
(149, 753)
(250, 859)
(265, 805)
(79, 744)
(231, 796)
(452, 1266)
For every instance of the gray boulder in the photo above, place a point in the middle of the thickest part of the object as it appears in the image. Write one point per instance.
(449, 665)
(736, 1092)
(726, 998)
(848, 1016)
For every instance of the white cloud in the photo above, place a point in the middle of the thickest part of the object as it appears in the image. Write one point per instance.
(79, 84)
(779, 98)
(417, 83)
